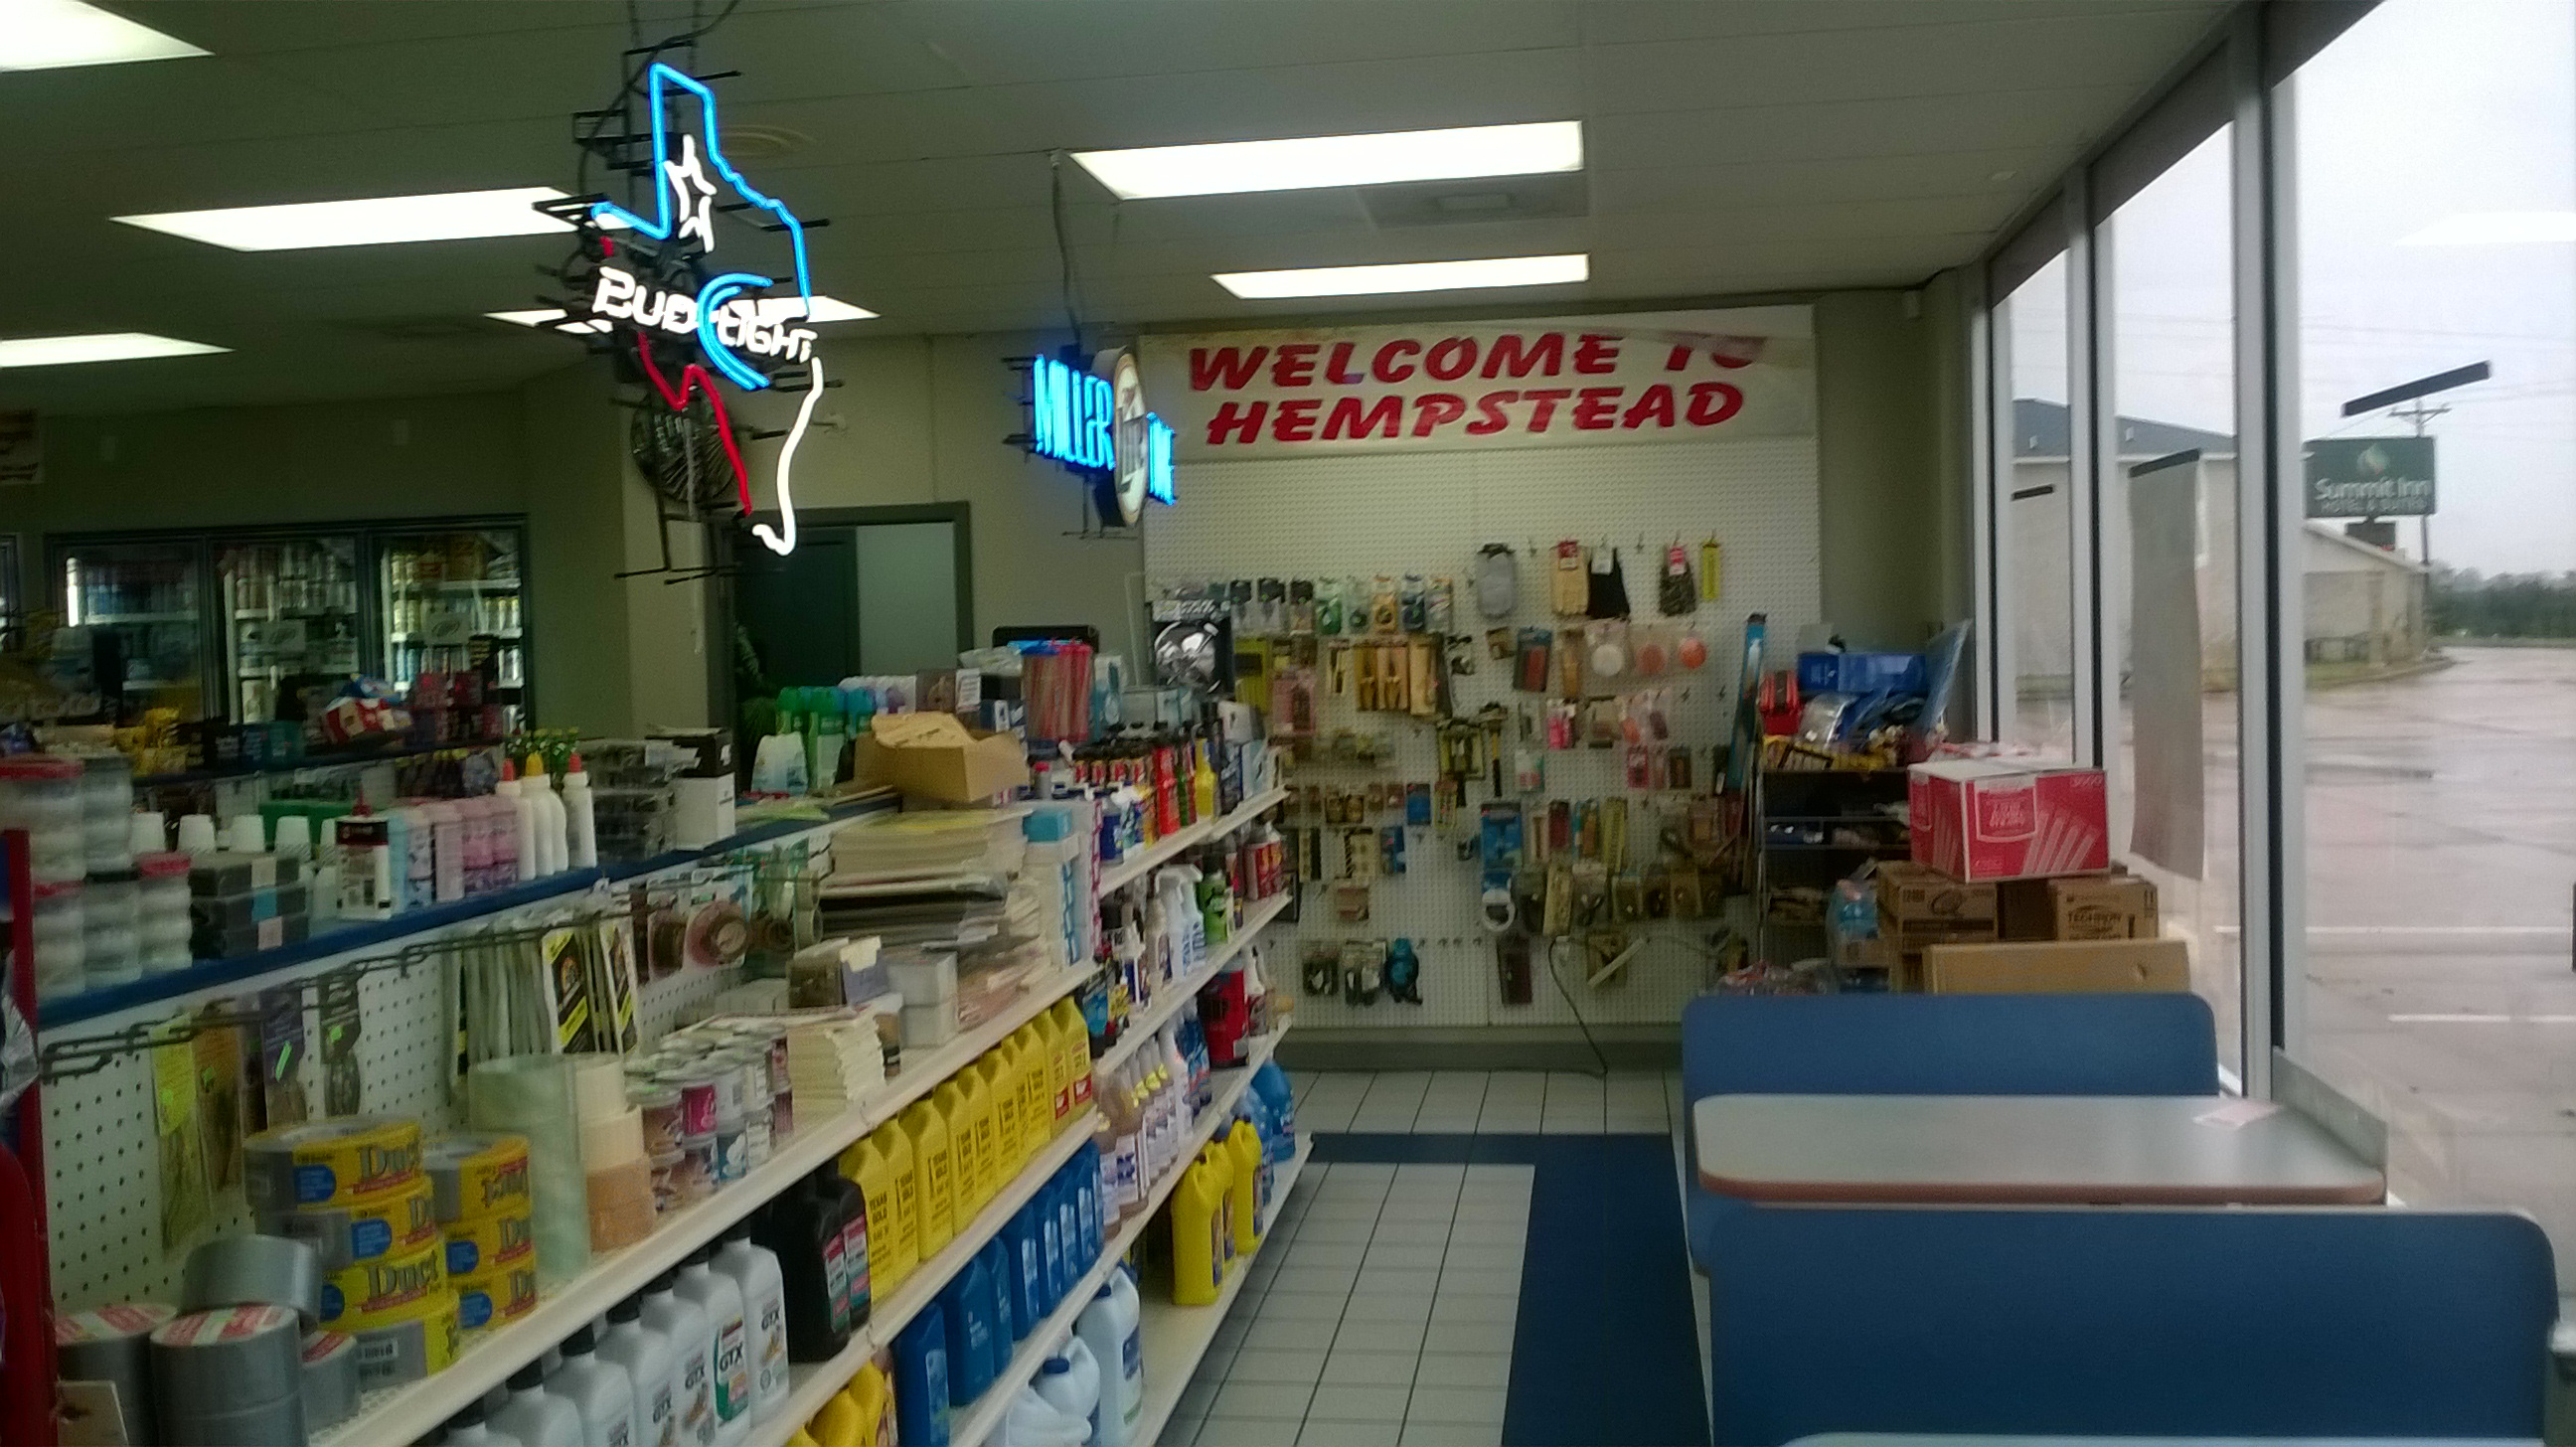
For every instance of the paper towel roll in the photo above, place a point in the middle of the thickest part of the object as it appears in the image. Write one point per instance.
(532, 1096)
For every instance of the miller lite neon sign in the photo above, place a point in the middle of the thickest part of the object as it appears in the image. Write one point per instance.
(1096, 426)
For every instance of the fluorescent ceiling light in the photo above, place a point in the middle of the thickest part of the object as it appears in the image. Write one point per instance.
(1293, 165)
(1407, 276)
(449, 216)
(52, 34)
(771, 309)
(2496, 228)
(95, 347)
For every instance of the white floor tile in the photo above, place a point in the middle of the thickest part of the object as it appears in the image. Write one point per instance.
(1334, 1281)
(1359, 1404)
(1307, 1252)
(1403, 1207)
(1440, 1121)
(1442, 1369)
(1282, 1367)
(1410, 1233)
(1469, 1337)
(1414, 1310)
(1478, 1406)
(1455, 1281)
(1341, 1233)
(1262, 1399)
(1247, 1432)
(1469, 1252)
(1349, 1434)
(1291, 1336)
(1366, 1369)
(1521, 1175)
(1299, 1306)
(1403, 1258)
(1499, 1119)
(1396, 1282)
(1456, 1310)
(1401, 1337)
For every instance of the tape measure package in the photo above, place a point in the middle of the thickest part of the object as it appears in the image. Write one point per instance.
(391, 1222)
(390, 1288)
(113, 1344)
(327, 1162)
(485, 1244)
(497, 1297)
(474, 1174)
(401, 1352)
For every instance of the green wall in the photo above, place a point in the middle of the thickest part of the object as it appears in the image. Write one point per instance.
(1891, 474)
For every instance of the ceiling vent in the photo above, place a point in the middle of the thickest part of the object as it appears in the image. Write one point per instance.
(762, 143)
(1486, 198)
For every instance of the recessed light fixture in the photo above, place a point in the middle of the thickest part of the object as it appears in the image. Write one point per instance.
(376, 221)
(54, 34)
(1407, 276)
(1225, 167)
(771, 309)
(2496, 228)
(95, 347)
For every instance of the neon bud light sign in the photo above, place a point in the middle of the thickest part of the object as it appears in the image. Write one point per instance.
(660, 291)
(1097, 426)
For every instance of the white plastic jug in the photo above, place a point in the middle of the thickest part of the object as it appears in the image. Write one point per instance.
(1070, 1382)
(1108, 1329)
(1032, 1423)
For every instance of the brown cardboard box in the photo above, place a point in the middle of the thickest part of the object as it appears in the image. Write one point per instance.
(2024, 911)
(2103, 907)
(1919, 897)
(937, 757)
(2058, 967)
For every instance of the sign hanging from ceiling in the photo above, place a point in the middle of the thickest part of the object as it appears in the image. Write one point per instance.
(1096, 425)
(2360, 477)
(1452, 386)
(651, 283)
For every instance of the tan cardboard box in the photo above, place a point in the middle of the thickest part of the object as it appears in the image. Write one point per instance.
(1917, 896)
(2103, 907)
(2058, 967)
(937, 757)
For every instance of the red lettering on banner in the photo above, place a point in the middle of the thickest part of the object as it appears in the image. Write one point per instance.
(1597, 408)
(1295, 366)
(1227, 366)
(1678, 358)
(1383, 365)
(1338, 370)
(1489, 414)
(1433, 409)
(1597, 355)
(1546, 354)
(1232, 418)
(1543, 402)
(1451, 358)
(1296, 420)
(1714, 402)
(1347, 420)
(1654, 405)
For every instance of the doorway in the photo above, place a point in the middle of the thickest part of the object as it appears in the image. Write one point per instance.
(867, 591)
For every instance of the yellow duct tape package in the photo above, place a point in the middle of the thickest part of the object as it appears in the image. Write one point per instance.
(328, 1162)
(391, 1288)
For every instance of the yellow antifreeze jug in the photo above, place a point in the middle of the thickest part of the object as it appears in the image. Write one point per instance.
(1213, 1155)
(1243, 1147)
(957, 1111)
(904, 1224)
(837, 1425)
(873, 1395)
(1077, 1053)
(935, 1168)
(1002, 1096)
(1199, 1241)
(864, 1166)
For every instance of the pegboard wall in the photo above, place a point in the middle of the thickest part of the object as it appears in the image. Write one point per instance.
(104, 1175)
(1428, 514)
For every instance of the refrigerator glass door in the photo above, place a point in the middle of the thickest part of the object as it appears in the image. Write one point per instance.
(291, 623)
(145, 594)
(454, 631)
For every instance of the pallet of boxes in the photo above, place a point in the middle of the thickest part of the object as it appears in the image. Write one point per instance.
(2011, 889)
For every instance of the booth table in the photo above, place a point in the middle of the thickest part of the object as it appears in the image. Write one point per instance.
(2141, 1150)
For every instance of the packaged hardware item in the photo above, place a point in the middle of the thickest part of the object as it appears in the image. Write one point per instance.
(328, 1162)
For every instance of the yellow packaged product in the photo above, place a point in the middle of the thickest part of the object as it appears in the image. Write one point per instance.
(328, 1162)
(390, 1288)
(489, 1243)
(925, 1128)
(495, 1297)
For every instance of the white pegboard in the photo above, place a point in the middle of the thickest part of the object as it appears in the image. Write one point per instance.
(103, 1173)
(1427, 514)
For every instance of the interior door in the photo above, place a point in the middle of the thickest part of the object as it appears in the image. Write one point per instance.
(801, 612)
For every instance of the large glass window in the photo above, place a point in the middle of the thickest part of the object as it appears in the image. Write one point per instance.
(2168, 520)
(2436, 203)
(2033, 523)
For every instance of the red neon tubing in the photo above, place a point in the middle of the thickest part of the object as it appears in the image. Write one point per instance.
(695, 378)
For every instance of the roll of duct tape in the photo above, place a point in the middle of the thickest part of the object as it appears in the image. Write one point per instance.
(278, 1421)
(612, 1140)
(330, 1379)
(244, 1270)
(326, 1162)
(231, 1359)
(496, 1298)
(113, 1344)
(477, 1174)
(390, 1288)
(389, 1222)
(599, 1086)
(406, 1351)
(488, 1244)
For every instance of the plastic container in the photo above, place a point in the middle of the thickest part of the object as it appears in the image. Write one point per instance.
(755, 1270)
(926, 1127)
(922, 1393)
(41, 793)
(1070, 1383)
(1243, 1144)
(803, 1228)
(891, 1248)
(161, 916)
(107, 807)
(601, 1391)
(717, 1295)
(111, 943)
(1109, 1326)
(61, 940)
(966, 1306)
(1199, 1234)
(536, 1417)
(693, 1357)
(652, 1365)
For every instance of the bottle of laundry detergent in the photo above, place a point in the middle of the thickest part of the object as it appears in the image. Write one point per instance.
(1109, 1326)
(1070, 1383)
(1214, 1156)
(1243, 1144)
(1198, 1236)
(925, 1127)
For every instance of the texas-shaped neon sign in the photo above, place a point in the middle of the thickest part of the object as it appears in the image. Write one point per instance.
(732, 322)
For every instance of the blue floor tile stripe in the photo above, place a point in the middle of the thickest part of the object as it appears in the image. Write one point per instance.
(1605, 1352)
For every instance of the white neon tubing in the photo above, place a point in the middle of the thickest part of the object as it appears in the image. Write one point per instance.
(782, 546)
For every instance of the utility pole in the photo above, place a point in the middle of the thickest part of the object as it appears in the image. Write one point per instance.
(2420, 413)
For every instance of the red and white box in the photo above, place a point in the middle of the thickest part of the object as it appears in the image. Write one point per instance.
(1986, 819)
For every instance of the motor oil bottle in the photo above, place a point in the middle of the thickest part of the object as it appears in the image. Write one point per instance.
(873, 1394)
(925, 1129)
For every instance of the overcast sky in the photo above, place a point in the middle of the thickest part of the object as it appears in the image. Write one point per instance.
(2425, 110)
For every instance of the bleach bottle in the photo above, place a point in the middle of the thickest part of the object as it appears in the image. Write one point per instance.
(1109, 1329)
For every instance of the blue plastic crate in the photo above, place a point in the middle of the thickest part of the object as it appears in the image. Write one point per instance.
(1860, 673)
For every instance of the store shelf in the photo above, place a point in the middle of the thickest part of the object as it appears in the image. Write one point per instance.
(113, 618)
(1176, 1337)
(1116, 877)
(1172, 998)
(404, 1413)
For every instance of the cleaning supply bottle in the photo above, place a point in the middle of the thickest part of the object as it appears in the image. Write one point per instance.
(1024, 1246)
(693, 1350)
(553, 821)
(1116, 1139)
(922, 1394)
(1199, 1241)
(1213, 1155)
(523, 821)
(1203, 780)
(1075, 1038)
(967, 1306)
(1007, 1326)
(535, 1416)
(651, 1364)
(894, 1230)
(466, 1429)
(950, 1098)
(1109, 1327)
(864, 1167)
(601, 1390)
(581, 818)
(1070, 1383)
(802, 1227)
(925, 1129)
(837, 1425)
(1002, 1094)
(1243, 1145)
(756, 1272)
(872, 1394)
(718, 1295)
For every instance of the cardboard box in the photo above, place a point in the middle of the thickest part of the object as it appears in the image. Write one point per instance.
(1993, 819)
(935, 756)
(1916, 897)
(2114, 906)
(2058, 967)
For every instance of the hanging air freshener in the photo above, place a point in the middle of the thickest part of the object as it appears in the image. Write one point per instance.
(1676, 593)
(1328, 606)
(1386, 608)
(1440, 606)
(1413, 607)
(1301, 607)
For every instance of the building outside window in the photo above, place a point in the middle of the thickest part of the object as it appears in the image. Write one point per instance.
(2033, 523)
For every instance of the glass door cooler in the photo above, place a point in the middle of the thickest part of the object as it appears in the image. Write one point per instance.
(454, 622)
(142, 604)
(293, 624)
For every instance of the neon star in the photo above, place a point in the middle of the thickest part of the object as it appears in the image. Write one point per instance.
(692, 195)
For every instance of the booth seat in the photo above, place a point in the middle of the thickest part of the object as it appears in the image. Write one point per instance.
(2335, 1322)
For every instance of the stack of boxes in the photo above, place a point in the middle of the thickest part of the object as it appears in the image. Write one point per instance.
(239, 904)
(480, 1193)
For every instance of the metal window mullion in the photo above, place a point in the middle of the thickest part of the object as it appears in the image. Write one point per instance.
(1982, 491)
(2109, 614)
(2003, 718)
(2083, 535)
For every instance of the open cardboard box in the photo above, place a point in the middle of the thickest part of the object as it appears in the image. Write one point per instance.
(934, 756)
(2058, 967)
